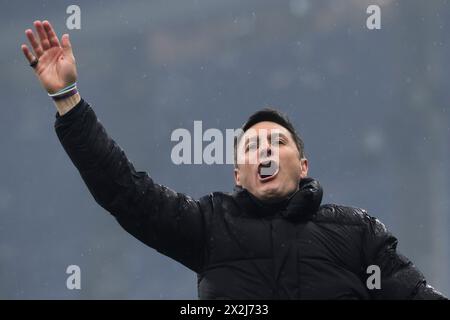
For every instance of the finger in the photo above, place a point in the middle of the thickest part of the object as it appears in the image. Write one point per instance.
(45, 43)
(34, 43)
(30, 57)
(65, 43)
(51, 35)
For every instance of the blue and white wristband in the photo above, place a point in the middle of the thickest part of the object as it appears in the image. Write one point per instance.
(65, 92)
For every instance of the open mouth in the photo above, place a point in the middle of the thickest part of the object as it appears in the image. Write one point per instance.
(267, 170)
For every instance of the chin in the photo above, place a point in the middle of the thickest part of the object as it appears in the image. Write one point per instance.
(275, 191)
(271, 194)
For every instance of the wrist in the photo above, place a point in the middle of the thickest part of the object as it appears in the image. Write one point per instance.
(66, 104)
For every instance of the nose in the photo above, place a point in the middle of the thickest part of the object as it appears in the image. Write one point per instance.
(265, 151)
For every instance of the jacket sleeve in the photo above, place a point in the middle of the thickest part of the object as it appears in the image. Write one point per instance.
(167, 221)
(400, 279)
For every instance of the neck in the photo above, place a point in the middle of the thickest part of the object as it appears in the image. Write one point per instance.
(274, 202)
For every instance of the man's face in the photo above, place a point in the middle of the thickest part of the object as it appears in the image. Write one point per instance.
(269, 164)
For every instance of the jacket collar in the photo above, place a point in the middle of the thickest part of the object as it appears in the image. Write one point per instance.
(299, 206)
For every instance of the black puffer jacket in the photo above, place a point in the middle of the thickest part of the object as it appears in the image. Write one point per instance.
(238, 247)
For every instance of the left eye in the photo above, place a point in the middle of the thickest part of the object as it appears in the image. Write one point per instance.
(251, 146)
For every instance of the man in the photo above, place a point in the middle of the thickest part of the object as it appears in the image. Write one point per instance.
(270, 239)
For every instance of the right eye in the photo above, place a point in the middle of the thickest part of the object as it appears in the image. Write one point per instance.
(251, 146)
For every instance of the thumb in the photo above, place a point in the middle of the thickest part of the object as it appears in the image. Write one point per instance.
(66, 45)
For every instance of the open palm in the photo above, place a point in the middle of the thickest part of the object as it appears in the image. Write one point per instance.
(56, 68)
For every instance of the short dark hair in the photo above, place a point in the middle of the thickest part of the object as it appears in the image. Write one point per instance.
(273, 115)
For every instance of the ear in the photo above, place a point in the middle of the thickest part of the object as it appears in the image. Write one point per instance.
(237, 180)
(303, 168)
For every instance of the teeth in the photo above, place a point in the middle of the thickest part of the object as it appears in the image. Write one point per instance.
(266, 164)
(267, 169)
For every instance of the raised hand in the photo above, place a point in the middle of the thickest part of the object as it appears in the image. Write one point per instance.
(55, 68)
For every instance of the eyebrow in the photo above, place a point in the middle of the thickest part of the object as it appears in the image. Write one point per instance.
(248, 139)
(282, 135)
